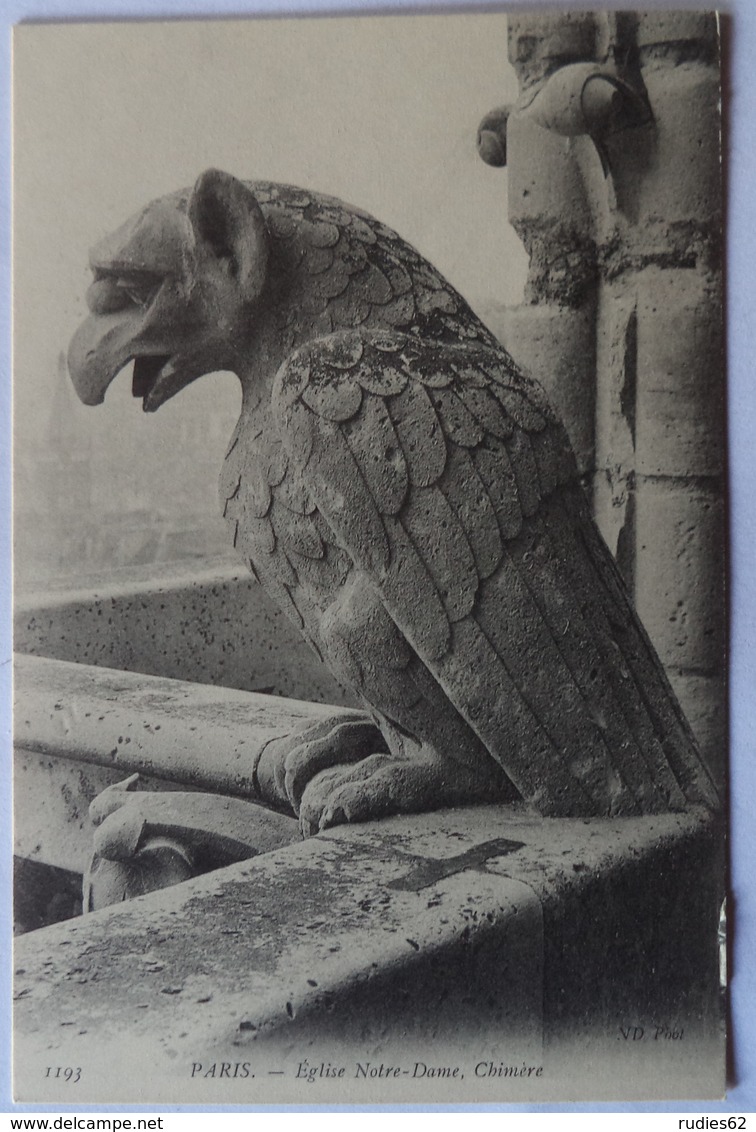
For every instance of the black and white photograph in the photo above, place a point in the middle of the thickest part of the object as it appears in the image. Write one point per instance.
(370, 529)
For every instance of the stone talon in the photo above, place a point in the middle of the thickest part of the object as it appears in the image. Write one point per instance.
(289, 763)
(345, 742)
(112, 798)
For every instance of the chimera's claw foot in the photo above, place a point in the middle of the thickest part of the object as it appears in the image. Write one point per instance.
(385, 784)
(288, 765)
(345, 742)
(378, 786)
(112, 798)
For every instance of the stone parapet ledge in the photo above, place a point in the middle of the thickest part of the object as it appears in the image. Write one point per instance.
(479, 940)
(80, 729)
(206, 621)
(199, 735)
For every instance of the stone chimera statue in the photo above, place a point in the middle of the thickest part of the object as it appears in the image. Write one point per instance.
(408, 498)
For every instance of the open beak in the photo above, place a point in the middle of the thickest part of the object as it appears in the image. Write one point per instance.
(100, 349)
(147, 372)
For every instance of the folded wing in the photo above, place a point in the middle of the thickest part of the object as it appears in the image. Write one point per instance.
(444, 474)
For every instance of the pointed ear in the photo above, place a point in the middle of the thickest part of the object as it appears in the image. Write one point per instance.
(228, 225)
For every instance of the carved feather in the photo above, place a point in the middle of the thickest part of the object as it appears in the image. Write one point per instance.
(467, 495)
(494, 469)
(420, 434)
(448, 489)
(343, 497)
(386, 381)
(459, 425)
(296, 532)
(525, 471)
(377, 449)
(254, 495)
(482, 404)
(335, 400)
(440, 541)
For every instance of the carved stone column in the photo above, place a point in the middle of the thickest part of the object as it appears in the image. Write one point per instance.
(554, 329)
(619, 205)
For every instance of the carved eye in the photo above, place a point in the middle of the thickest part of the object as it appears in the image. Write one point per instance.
(140, 289)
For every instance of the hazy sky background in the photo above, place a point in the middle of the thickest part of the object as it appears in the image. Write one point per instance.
(381, 112)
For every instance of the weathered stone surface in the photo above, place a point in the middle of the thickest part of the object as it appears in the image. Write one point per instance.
(556, 345)
(51, 798)
(192, 734)
(206, 621)
(683, 183)
(549, 211)
(143, 842)
(539, 42)
(52, 795)
(462, 932)
(669, 29)
(409, 500)
(80, 730)
(705, 699)
(543, 183)
(680, 410)
(679, 578)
